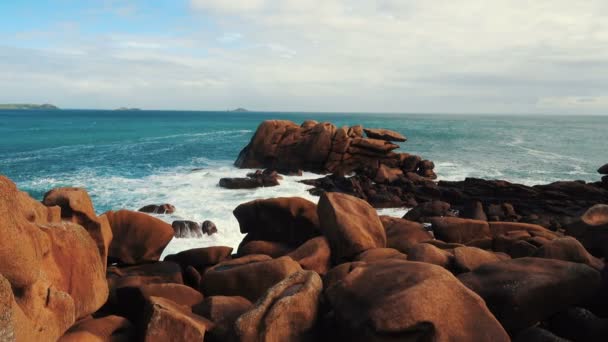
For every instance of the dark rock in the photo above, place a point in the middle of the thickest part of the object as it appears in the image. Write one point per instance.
(454, 229)
(223, 311)
(186, 229)
(201, 258)
(209, 227)
(474, 210)
(603, 170)
(424, 211)
(521, 292)
(402, 234)
(158, 209)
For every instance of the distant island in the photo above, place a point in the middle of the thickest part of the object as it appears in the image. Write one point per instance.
(28, 106)
(127, 109)
(239, 110)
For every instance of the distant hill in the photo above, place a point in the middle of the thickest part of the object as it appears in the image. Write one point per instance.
(28, 106)
(239, 110)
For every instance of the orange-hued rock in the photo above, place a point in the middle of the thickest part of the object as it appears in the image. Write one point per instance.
(568, 249)
(384, 134)
(387, 175)
(40, 313)
(286, 312)
(52, 271)
(200, 258)
(313, 255)
(169, 321)
(76, 206)
(402, 234)
(409, 301)
(503, 228)
(350, 225)
(592, 230)
(272, 249)
(249, 276)
(290, 220)
(110, 328)
(523, 291)
(454, 229)
(138, 237)
(223, 311)
(428, 253)
(467, 259)
(152, 273)
(73, 266)
(377, 254)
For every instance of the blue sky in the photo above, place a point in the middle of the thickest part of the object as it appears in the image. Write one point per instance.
(471, 56)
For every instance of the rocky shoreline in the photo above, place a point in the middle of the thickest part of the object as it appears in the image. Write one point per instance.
(496, 262)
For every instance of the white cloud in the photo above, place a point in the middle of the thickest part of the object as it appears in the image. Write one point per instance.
(364, 55)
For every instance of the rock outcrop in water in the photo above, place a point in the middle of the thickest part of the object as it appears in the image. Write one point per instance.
(325, 148)
(335, 271)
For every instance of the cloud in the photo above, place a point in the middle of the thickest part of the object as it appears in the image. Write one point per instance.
(375, 56)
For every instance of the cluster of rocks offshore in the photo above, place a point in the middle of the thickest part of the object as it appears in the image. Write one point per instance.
(328, 271)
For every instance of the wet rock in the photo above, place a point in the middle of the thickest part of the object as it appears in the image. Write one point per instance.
(158, 209)
(249, 276)
(169, 321)
(521, 292)
(291, 220)
(286, 312)
(186, 229)
(350, 225)
(603, 170)
(393, 297)
(138, 237)
(209, 227)
(253, 180)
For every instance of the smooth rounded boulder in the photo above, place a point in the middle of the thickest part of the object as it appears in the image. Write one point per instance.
(313, 255)
(568, 249)
(401, 234)
(249, 276)
(158, 209)
(201, 258)
(169, 321)
(350, 225)
(467, 259)
(521, 292)
(592, 230)
(454, 229)
(138, 237)
(223, 311)
(409, 301)
(290, 220)
(286, 312)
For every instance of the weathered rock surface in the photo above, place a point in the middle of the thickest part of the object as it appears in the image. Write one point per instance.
(521, 292)
(169, 321)
(249, 276)
(223, 311)
(253, 180)
(109, 328)
(383, 134)
(290, 220)
(350, 225)
(401, 234)
(409, 301)
(138, 237)
(286, 312)
(313, 255)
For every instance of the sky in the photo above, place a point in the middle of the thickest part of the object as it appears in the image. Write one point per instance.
(413, 56)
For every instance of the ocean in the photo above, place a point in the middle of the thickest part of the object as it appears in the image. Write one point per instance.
(127, 159)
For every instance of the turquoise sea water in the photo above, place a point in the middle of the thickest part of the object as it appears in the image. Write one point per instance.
(128, 159)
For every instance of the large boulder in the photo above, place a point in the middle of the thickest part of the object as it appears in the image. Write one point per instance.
(592, 230)
(201, 258)
(454, 229)
(169, 321)
(313, 255)
(428, 253)
(603, 170)
(272, 249)
(409, 301)
(401, 234)
(350, 225)
(423, 212)
(286, 312)
(76, 206)
(249, 276)
(521, 292)
(291, 220)
(186, 229)
(467, 259)
(138, 237)
(568, 249)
